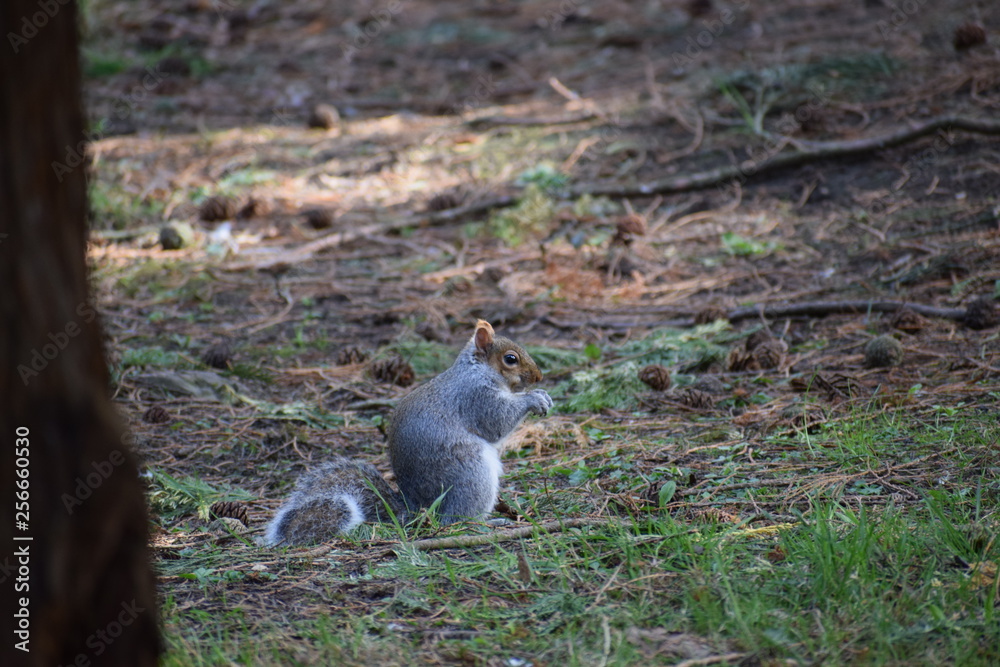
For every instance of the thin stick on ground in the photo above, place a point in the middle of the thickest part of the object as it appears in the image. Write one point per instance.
(459, 541)
(307, 250)
(713, 660)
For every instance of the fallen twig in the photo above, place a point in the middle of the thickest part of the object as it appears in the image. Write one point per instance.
(459, 541)
(306, 250)
(122, 234)
(499, 121)
(713, 660)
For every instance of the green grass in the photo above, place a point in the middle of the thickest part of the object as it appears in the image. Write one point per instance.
(153, 357)
(529, 219)
(847, 586)
(172, 497)
(839, 580)
(615, 384)
(112, 207)
(97, 64)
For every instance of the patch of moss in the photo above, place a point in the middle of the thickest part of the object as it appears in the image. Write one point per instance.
(427, 358)
(173, 497)
(704, 343)
(593, 390)
(554, 361)
(111, 207)
(153, 356)
(529, 219)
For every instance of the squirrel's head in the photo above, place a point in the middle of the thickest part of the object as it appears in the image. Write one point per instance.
(507, 357)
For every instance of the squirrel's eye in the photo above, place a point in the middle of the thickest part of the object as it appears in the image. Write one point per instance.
(510, 359)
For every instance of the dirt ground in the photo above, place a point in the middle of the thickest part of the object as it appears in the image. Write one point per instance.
(559, 169)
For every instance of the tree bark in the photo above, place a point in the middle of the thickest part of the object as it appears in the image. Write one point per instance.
(74, 553)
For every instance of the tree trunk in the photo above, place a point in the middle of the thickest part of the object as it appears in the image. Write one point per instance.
(73, 551)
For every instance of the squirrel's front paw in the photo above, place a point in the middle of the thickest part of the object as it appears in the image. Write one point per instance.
(541, 402)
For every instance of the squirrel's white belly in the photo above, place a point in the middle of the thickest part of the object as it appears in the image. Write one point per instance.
(491, 457)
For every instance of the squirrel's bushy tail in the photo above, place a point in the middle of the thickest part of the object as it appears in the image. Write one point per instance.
(333, 498)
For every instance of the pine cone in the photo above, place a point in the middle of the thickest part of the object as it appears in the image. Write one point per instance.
(394, 370)
(324, 117)
(156, 415)
(968, 35)
(769, 354)
(757, 338)
(710, 314)
(656, 377)
(907, 320)
(219, 355)
(254, 208)
(351, 355)
(695, 398)
(226, 525)
(232, 510)
(319, 218)
(883, 351)
(761, 350)
(214, 209)
(848, 385)
(709, 384)
(628, 228)
(738, 360)
(443, 201)
(981, 313)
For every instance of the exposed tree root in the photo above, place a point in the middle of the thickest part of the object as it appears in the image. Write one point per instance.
(810, 152)
(808, 309)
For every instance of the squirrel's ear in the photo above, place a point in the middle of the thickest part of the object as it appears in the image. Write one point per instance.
(483, 335)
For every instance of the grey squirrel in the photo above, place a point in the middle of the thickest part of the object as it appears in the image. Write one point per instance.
(445, 437)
